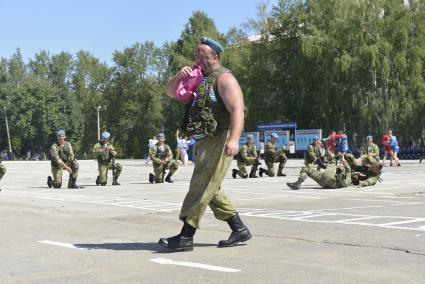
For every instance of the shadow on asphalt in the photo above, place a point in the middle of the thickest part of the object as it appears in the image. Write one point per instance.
(155, 247)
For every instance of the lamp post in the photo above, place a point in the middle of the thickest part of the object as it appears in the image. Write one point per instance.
(98, 122)
(7, 130)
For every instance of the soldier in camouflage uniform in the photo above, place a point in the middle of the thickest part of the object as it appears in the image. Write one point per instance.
(2, 169)
(105, 154)
(215, 118)
(332, 177)
(62, 158)
(314, 154)
(363, 171)
(370, 153)
(271, 156)
(162, 158)
(247, 156)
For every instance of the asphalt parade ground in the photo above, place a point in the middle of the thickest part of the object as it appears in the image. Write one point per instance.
(109, 234)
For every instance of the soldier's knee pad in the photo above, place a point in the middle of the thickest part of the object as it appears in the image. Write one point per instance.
(2, 170)
(119, 167)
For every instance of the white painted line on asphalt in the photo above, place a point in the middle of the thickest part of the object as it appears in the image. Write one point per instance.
(358, 219)
(405, 197)
(314, 216)
(404, 222)
(66, 245)
(194, 264)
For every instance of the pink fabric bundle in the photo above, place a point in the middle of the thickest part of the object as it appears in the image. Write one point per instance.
(187, 86)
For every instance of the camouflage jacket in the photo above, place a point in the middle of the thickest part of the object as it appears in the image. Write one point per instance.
(157, 154)
(102, 154)
(247, 153)
(372, 150)
(61, 154)
(271, 153)
(363, 173)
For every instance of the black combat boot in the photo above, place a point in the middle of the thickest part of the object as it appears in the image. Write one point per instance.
(295, 185)
(261, 172)
(98, 180)
(240, 233)
(252, 174)
(168, 179)
(234, 173)
(49, 181)
(115, 182)
(279, 171)
(181, 242)
(73, 184)
(151, 178)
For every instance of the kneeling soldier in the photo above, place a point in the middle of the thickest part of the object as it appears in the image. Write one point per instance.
(247, 156)
(162, 158)
(105, 155)
(271, 156)
(370, 153)
(62, 158)
(2, 170)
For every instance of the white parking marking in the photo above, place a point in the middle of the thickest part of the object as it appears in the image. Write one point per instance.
(194, 264)
(325, 215)
(404, 222)
(66, 245)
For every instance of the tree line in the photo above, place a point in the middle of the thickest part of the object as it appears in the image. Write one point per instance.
(330, 64)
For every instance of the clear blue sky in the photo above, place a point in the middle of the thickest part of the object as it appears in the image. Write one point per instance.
(103, 26)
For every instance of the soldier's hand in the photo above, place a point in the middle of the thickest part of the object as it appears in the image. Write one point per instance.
(231, 148)
(114, 153)
(68, 169)
(111, 148)
(184, 72)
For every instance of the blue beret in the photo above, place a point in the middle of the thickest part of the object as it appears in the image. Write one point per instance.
(60, 133)
(213, 44)
(160, 135)
(105, 135)
(250, 136)
(274, 135)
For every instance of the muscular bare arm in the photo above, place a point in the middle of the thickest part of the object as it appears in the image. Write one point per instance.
(231, 94)
(173, 83)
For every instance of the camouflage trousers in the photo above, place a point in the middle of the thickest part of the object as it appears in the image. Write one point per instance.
(206, 184)
(242, 167)
(325, 179)
(351, 160)
(103, 171)
(281, 159)
(2, 171)
(158, 170)
(57, 173)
